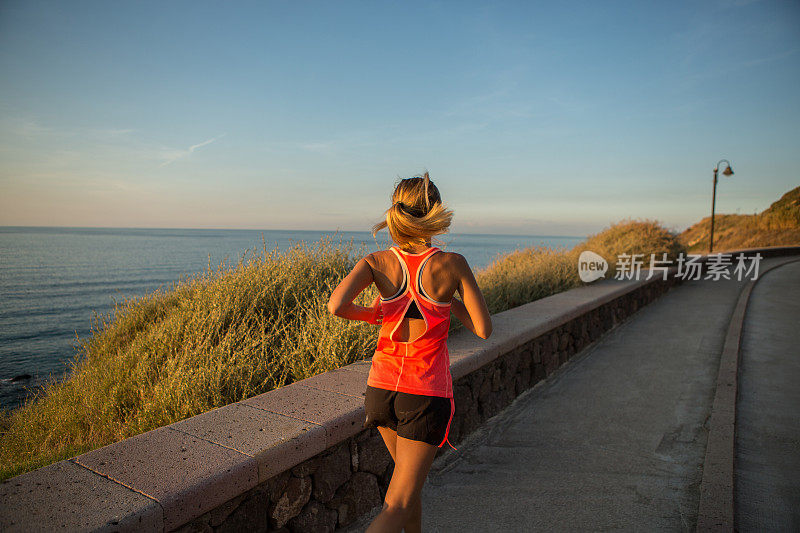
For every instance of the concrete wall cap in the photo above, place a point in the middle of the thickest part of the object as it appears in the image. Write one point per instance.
(187, 475)
(67, 496)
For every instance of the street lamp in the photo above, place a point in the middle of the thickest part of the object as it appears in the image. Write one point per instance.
(727, 172)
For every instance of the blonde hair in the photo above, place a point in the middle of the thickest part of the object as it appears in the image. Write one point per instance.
(416, 213)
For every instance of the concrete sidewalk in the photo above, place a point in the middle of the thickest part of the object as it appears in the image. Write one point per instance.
(767, 464)
(614, 440)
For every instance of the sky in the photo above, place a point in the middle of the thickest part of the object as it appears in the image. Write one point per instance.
(536, 118)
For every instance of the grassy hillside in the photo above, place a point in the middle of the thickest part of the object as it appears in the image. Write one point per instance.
(527, 275)
(776, 226)
(231, 333)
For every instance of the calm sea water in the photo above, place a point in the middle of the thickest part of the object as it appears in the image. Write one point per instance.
(53, 279)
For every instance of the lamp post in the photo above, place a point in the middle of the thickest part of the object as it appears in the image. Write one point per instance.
(727, 172)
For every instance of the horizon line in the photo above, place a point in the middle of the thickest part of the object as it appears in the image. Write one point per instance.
(279, 229)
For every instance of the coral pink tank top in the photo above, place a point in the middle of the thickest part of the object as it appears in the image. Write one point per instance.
(421, 365)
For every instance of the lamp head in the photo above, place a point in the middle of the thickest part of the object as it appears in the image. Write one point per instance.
(728, 171)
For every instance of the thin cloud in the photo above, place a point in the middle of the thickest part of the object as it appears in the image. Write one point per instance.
(24, 127)
(110, 132)
(769, 59)
(170, 156)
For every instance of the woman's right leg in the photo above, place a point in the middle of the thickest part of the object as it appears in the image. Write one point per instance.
(413, 460)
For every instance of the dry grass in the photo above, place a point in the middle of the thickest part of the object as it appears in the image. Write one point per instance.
(778, 225)
(527, 275)
(232, 333)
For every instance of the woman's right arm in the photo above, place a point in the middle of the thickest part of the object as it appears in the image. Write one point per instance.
(471, 310)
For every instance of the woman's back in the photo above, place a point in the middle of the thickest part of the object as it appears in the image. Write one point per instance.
(411, 353)
(439, 280)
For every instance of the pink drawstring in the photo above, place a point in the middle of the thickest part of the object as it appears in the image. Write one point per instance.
(447, 431)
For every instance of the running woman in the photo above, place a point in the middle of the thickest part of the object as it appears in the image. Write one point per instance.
(409, 395)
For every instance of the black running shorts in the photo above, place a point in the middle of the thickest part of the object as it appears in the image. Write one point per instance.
(412, 416)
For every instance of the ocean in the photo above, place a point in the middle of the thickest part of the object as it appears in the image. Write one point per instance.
(52, 280)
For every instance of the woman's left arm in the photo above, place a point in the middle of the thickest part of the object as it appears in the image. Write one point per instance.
(341, 300)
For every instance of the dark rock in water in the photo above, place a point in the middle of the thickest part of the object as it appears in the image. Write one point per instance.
(21, 377)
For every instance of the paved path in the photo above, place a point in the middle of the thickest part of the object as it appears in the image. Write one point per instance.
(615, 439)
(767, 465)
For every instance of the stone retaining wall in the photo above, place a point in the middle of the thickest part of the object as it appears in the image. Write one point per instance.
(296, 458)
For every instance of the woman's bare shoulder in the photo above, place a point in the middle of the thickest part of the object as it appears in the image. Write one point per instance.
(378, 258)
(452, 261)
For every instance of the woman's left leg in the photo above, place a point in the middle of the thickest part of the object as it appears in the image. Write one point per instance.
(413, 460)
(414, 522)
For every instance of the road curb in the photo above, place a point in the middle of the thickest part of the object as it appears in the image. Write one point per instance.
(716, 507)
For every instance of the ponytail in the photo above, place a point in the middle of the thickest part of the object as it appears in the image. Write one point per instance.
(416, 213)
